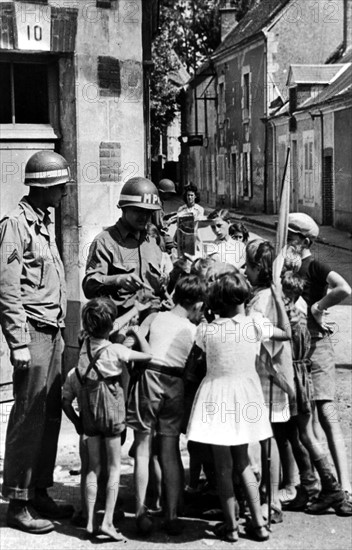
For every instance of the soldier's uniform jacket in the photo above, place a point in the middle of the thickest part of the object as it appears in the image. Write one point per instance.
(117, 251)
(31, 273)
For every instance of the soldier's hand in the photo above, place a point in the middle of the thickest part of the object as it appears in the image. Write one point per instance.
(130, 282)
(21, 358)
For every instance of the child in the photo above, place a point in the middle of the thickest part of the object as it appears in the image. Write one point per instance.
(239, 232)
(260, 256)
(302, 232)
(225, 249)
(98, 317)
(156, 401)
(293, 287)
(229, 410)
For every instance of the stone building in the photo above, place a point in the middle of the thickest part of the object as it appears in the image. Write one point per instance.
(74, 78)
(248, 72)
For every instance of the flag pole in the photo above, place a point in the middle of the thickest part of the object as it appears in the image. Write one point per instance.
(281, 238)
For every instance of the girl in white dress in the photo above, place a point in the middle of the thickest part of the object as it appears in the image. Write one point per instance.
(229, 410)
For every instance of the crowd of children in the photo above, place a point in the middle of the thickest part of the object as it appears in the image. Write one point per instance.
(234, 362)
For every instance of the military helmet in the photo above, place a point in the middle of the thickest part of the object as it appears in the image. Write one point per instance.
(141, 193)
(166, 186)
(46, 169)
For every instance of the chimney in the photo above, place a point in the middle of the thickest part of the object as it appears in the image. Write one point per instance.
(228, 21)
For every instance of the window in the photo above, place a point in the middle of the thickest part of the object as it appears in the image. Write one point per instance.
(246, 174)
(221, 104)
(308, 166)
(24, 95)
(246, 93)
(221, 175)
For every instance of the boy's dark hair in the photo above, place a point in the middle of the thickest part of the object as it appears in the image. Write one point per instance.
(98, 316)
(218, 269)
(238, 227)
(220, 213)
(227, 291)
(292, 284)
(261, 254)
(181, 268)
(189, 290)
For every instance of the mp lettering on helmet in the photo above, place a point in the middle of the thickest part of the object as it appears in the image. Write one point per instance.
(150, 198)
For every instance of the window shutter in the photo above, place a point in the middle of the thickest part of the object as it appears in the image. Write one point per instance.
(240, 190)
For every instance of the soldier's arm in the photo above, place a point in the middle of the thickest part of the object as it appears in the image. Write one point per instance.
(97, 281)
(12, 313)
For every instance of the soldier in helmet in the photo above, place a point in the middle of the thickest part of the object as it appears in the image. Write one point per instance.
(124, 262)
(122, 259)
(32, 312)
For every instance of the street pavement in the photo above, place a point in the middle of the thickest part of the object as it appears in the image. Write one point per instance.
(298, 531)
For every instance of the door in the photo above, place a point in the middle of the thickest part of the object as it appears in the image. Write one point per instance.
(328, 191)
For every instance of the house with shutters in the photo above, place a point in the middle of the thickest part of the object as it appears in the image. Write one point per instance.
(74, 78)
(316, 124)
(249, 72)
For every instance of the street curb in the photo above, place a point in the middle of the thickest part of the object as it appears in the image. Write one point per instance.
(271, 226)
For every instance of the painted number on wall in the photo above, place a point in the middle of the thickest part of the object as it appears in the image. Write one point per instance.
(34, 33)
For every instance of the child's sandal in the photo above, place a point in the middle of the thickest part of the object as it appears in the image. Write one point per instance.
(223, 532)
(259, 533)
(144, 523)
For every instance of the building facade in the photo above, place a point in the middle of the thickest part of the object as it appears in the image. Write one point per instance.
(251, 67)
(74, 78)
(317, 127)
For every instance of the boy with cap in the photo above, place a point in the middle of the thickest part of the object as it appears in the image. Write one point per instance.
(302, 232)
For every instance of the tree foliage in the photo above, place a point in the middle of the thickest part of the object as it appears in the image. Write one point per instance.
(189, 33)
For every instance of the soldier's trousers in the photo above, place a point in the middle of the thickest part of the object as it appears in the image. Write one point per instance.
(34, 422)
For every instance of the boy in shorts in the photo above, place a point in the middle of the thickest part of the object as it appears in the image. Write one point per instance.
(155, 404)
(318, 276)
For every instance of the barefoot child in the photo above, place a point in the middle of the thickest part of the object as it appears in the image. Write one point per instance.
(156, 402)
(98, 317)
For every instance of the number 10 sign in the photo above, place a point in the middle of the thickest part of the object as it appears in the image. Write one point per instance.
(33, 28)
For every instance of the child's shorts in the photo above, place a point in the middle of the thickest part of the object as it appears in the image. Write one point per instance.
(156, 404)
(101, 418)
(321, 355)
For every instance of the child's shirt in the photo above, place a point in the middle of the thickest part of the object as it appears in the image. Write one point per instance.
(109, 362)
(315, 274)
(171, 339)
(275, 357)
(300, 340)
